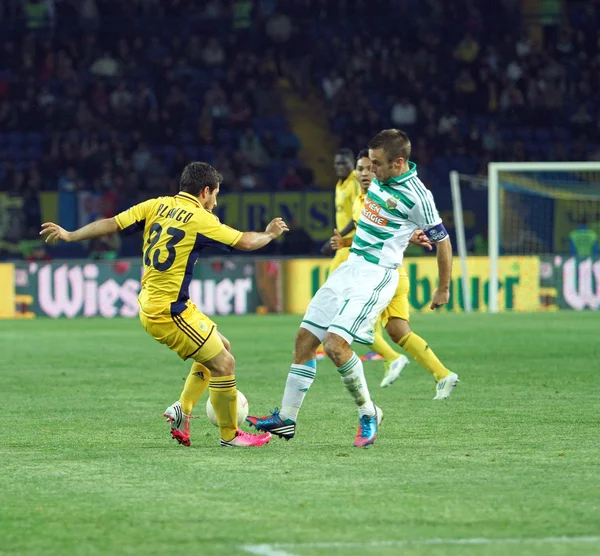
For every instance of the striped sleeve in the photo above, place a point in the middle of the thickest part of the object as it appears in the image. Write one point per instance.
(424, 213)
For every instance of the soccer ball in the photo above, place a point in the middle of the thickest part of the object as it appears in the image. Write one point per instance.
(242, 410)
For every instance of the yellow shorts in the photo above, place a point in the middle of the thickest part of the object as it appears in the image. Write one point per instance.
(190, 334)
(341, 256)
(398, 307)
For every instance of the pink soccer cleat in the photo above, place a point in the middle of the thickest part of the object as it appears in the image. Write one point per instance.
(246, 440)
(180, 423)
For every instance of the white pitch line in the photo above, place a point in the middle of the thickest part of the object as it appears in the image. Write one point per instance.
(264, 550)
(275, 549)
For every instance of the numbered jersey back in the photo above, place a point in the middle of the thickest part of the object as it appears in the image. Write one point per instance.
(176, 229)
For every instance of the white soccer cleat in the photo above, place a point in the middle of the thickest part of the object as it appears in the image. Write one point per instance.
(444, 387)
(179, 422)
(393, 370)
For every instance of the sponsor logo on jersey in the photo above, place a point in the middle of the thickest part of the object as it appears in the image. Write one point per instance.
(371, 211)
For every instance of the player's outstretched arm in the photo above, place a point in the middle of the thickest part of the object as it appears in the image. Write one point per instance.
(251, 241)
(444, 260)
(54, 232)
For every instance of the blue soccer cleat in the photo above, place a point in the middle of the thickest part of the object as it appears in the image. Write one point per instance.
(367, 430)
(274, 424)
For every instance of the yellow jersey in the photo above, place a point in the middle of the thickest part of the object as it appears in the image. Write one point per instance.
(358, 205)
(346, 192)
(176, 229)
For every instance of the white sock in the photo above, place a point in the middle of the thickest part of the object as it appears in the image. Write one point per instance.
(298, 382)
(353, 377)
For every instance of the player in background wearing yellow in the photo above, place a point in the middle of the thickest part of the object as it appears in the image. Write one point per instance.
(397, 315)
(346, 191)
(342, 241)
(176, 229)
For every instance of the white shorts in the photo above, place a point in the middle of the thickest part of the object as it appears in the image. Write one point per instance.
(350, 301)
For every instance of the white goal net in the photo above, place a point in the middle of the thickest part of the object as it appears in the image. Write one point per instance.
(550, 211)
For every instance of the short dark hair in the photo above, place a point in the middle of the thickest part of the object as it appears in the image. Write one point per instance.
(363, 153)
(198, 175)
(346, 153)
(394, 142)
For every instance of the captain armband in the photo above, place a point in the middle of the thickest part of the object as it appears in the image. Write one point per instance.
(437, 233)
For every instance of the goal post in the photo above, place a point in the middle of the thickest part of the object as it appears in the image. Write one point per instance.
(461, 242)
(534, 209)
(493, 235)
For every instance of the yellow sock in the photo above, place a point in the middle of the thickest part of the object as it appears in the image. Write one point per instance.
(223, 396)
(423, 354)
(195, 385)
(384, 349)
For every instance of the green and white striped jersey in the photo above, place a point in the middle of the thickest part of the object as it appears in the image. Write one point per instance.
(393, 210)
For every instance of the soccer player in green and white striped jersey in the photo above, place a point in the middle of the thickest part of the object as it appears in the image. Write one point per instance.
(347, 306)
(396, 316)
(382, 149)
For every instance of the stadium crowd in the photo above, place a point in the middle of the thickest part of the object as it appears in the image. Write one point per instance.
(86, 103)
(116, 97)
(466, 82)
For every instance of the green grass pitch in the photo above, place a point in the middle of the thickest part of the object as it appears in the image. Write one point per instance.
(87, 466)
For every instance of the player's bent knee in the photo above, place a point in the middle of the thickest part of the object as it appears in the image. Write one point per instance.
(397, 329)
(226, 342)
(229, 367)
(221, 365)
(305, 347)
(336, 348)
(306, 338)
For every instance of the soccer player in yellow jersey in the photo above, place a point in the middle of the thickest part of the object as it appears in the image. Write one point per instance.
(176, 229)
(396, 317)
(346, 191)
